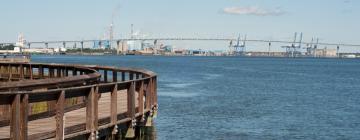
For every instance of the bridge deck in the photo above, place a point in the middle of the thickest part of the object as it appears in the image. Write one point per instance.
(74, 117)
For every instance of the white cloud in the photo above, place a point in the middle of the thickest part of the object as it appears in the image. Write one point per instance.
(255, 11)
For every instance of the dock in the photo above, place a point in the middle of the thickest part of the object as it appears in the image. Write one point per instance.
(54, 101)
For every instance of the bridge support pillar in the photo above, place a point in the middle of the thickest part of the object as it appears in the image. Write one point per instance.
(64, 44)
(82, 47)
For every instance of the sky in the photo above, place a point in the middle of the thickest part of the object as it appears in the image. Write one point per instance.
(333, 21)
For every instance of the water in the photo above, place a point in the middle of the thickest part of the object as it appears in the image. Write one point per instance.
(248, 98)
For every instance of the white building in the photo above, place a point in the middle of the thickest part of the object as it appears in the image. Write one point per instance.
(21, 41)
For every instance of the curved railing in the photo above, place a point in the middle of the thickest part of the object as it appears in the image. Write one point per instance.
(59, 89)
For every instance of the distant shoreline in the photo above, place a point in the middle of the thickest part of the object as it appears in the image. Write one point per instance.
(105, 54)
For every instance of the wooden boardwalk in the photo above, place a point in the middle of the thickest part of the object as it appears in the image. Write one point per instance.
(74, 117)
(108, 100)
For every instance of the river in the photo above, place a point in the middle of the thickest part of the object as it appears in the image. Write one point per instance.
(248, 98)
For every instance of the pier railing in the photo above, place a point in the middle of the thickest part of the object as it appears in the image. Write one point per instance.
(31, 92)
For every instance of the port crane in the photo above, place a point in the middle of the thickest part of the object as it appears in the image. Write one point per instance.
(293, 49)
(239, 48)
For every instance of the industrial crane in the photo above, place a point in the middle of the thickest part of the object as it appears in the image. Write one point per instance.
(293, 49)
(239, 49)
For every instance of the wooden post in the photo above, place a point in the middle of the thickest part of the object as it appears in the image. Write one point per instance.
(113, 106)
(74, 72)
(96, 108)
(155, 105)
(63, 72)
(15, 122)
(123, 76)
(66, 72)
(155, 91)
(137, 75)
(51, 72)
(41, 72)
(113, 111)
(141, 98)
(131, 110)
(58, 72)
(31, 72)
(24, 117)
(148, 102)
(60, 103)
(10, 72)
(21, 72)
(131, 76)
(90, 110)
(114, 76)
(27, 72)
(105, 76)
(131, 101)
(1, 70)
(148, 95)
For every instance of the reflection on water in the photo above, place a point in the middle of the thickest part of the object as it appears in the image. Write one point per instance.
(177, 94)
(148, 133)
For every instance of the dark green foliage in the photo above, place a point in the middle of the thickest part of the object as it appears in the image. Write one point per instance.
(7, 47)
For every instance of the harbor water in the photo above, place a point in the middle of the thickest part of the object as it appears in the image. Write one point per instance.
(247, 98)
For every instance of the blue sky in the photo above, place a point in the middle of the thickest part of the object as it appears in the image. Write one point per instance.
(330, 20)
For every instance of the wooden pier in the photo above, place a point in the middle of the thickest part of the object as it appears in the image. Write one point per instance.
(52, 101)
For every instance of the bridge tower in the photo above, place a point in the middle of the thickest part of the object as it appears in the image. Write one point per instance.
(231, 52)
(82, 47)
(315, 47)
(46, 45)
(309, 47)
(155, 47)
(269, 49)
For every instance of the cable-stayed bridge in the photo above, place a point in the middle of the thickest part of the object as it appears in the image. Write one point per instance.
(28, 43)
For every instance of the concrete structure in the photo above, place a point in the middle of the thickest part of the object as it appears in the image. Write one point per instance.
(60, 50)
(325, 52)
(122, 47)
(40, 50)
(16, 50)
(267, 54)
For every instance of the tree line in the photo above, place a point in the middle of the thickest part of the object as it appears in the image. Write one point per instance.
(7, 47)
